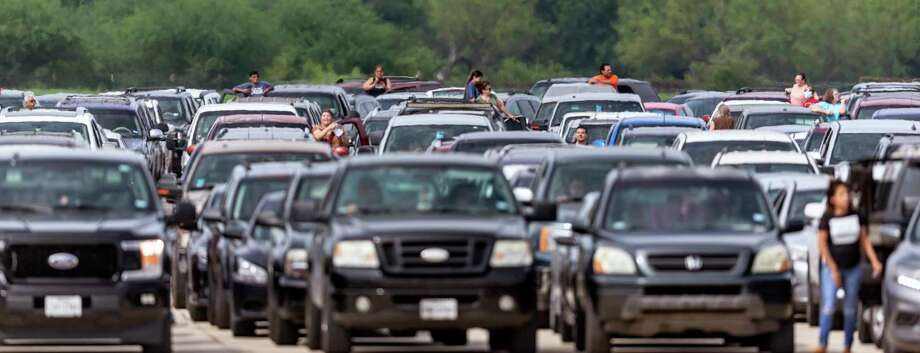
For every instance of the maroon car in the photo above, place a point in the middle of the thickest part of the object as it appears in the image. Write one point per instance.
(867, 106)
(747, 94)
(399, 83)
(229, 122)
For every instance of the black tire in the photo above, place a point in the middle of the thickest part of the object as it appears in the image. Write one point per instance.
(165, 343)
(566, 331)
(212, 301)
(198, 313)
(177, 285)
(498, 340)
(221, 306)
(240, 327)
(782, 341)
(336, 339)
(524, 339)
(450, 337)
(813, 314)
(578, 331)
(313, 325)
(281, 331)
(864, 326)
(595, 339)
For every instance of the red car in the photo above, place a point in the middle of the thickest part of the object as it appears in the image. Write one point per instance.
(667, 109)
(747, 94)
(869, 105)
(225, 123)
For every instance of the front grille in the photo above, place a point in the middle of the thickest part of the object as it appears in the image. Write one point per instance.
(693, 290)
(402, 256)
(688, 263)
(907, 319)
(96, 261)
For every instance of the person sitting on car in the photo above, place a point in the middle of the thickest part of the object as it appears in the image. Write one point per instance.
(377, 84)
(487, 96)
(723, 120)
(329, 132)
(605, 77)
(471, 92)
(831, 106)
(255, 87)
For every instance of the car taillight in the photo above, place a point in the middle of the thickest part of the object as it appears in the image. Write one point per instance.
(190, 149)
(535, 126)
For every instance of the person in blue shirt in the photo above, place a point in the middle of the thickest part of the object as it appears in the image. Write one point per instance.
(255, 87)
(830, 106)
(472, 92)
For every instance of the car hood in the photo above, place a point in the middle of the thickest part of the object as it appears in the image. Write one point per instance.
(78, 223)
(691, 242)
(255, 252)
(497, 226)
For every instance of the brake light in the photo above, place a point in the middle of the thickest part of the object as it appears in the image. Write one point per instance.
(535, 126)
(190, 149)
(163, 192)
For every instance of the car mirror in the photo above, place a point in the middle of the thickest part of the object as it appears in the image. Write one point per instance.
(155, 135)
(212, 215)
(543, 212)
(184, 216)
(523, 195)
(814, 211)
(306, 211)
(909, 205)
(269, 219)
(234, 231)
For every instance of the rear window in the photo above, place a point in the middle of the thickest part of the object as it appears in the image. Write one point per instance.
(593, 106)
(124, 122)
(545, 112)
(206, 120)
(704, 152)
(761, 120)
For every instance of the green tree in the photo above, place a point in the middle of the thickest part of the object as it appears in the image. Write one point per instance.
(34, 34)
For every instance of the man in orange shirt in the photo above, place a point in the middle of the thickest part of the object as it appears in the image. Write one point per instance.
(606, 77)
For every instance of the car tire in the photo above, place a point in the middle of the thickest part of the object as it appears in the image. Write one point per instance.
(877, 323)
(198, 313)
(595, 339)
(281, 331)
(450, 337)
(177, 283)
(782, 341)
(566, 331)
(221, 306)
(336, 339)
(240, 327)
(812, 308)
(165, 343)
(578, 331)
(863, 323)
(313, 325)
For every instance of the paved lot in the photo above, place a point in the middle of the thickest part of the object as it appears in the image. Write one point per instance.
(190, 337)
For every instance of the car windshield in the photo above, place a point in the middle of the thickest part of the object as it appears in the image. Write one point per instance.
(640, 140)
(545, 112)
(773, 167)
(703, 106)
(79, 186)
(801, 199)
(855, 147)
(813, 144)
(704, 152)
(688, 207)
(425, 190)
(594, 106)
(263, 133)
(761, 120)
(481, 146)
(539, 89)
(867, 112)
(325, 101)
(417, 138)
(250, 191)
(213, 169)
(10, 102)
(573, 180)
(124, 122)
(77, 130)
(596, 132)
(206, 120)
(172, 109)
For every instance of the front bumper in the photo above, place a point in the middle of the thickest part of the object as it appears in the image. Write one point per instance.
(290, 293)
(112, 313)
(902, 318)
(736, 306)
(249, 301)
(395, 301)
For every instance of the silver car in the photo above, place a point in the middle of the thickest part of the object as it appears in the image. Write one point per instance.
(901, 294)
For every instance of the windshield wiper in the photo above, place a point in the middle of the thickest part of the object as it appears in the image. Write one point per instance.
(26, 208)
(83, 208)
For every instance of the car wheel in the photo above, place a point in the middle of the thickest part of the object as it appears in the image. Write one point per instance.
(336, 339)
(177, 283)
(595, 339)
(782, 341)
(165, 343)
(313, 325)
(280, 331)
(864, 326)
(212, 302)
(566, 331)
(812, 308)
(221, 306)
(240, 327)
(878, 325)
(450, 337)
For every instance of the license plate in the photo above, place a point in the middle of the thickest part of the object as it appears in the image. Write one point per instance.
(63, 306)
(438, 309)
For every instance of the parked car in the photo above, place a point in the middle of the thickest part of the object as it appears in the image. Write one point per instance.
(177, 106)
(552, 109)
(901, 293)
(523, 105)
(766, 162)
(663, 266)
(758, 117)
(631, 122)
(653, 136)
(667, 109)
(867, 106)
(799, 133)
(206, 116)
(328, 97)
(197, 291)
(890, 145)
(78, 125)
(912, 114)
(382, 262)
(595, 128)
(567, 89)
(880, 89)
(305, 109)
(419, 133)
(480, 142)
(703, 104)
(98, 254)
(703, 146)
(538, 89)
(570, 122)
(736, 107)
(855, 140)
(226, 124)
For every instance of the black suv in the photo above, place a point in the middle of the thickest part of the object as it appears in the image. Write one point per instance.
(82, 249)
(418, 242)
(667, 251)
(197, 291)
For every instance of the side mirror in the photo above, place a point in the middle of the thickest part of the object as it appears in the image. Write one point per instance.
(523, 195)
(212, 215)
(909, 205)
(814, 211)
(234, 231)
(168, 188)
(269, 219)
(184, 215)
(156, 135)
(544, 212)
(305, 212)
(795, 225)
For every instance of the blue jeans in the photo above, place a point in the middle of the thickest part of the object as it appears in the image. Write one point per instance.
(852, 278)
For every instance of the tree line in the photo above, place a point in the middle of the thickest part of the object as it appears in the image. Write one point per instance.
(716, 44)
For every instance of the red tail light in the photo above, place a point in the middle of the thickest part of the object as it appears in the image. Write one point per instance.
(534, 126)
(190, 149)
(340, 151)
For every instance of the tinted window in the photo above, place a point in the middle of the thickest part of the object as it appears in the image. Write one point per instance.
(761, 120)
(814, 142)
(419, 137)
(572, 181)
(481, 146)
(206, 121)
(854, 147)
(77, 130)
(313, 188)
(866, 112)
(215, 169)
(249, 193)
(594, 106)
(774, 167)
(703, 106)
(124, 123)
(172, 110)
(425, 190)
(704, 152)
(539, 89)
(545, 112)
(648, 140)
(263, 133)
(688, 207)
(595, 132)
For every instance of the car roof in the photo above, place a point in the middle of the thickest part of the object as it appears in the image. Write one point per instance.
(618, 153)
(895, 113)
(77, 154)
(663, 173)
(658, 130)
(704, 95)
(41, 139)
(401, 95)
(662, 120)
(889, 101)
(877, 126)
(509, 135)
(44, 114)
(803, 181)
(778, 109)
(787, 129)
(262, 146)
(259, 118)
(246, 106)
(742, 102)
(625, 97)
(439, 119)
(662, 105)
(575, 88)
(736, 135)
(308, 88)
(608, 115)
(759, 95)
(80, 119)
(762, 157)
(419, 159)
(272, 169)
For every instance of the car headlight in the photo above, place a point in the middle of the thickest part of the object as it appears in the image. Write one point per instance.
(151, 256)
(549, 233)
(355, 254)
(909, 278)
(773, 259)
(511, 253)
(248, 272)
(295, 262)
(613, 261)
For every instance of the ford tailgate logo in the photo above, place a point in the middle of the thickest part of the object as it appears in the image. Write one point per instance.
(63, 261)
(434, 255)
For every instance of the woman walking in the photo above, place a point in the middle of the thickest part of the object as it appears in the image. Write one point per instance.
(842, 240)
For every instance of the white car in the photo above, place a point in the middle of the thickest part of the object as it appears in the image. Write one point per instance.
(552, 109)
(767, 162)
(854, 140)
(80, 124)
(421, 132)
(572, 121)
(561, 89)
(208, 114)
(738, 106)
(446, 92)
(703, 146)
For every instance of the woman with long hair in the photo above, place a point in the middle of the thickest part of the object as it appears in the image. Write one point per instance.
(471, 92)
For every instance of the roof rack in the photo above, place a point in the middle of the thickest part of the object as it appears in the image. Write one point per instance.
(263, 99)
(98, 99)
(743, 90)
(131, 90)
